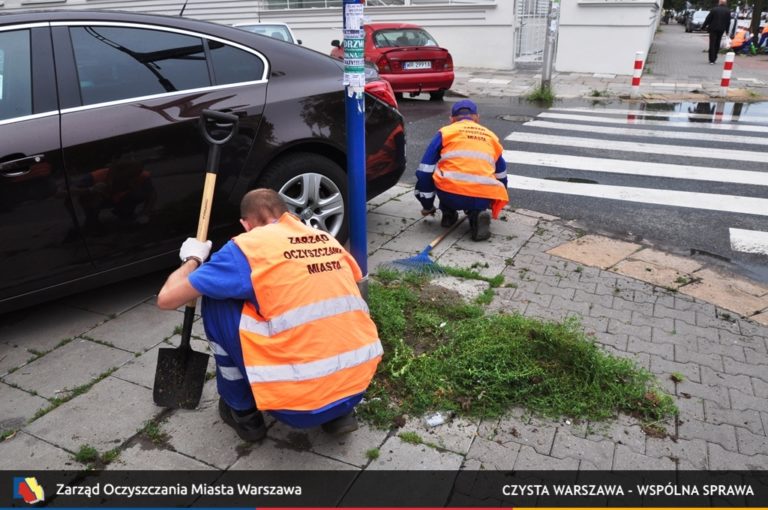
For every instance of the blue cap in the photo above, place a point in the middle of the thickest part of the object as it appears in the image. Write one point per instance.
(464, 107)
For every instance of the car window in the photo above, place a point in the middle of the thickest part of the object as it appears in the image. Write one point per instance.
(118, 62)
(700, 16)
(402, 37)
(274, 31)
(233, 65)
(15, 74)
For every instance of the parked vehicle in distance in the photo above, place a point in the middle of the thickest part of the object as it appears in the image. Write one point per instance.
(279, 31)
(695, 21)
(102, 163)
(408, 57)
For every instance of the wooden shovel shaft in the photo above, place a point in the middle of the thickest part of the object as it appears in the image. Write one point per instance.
(205, 215)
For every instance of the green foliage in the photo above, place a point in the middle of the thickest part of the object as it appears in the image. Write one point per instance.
(372, 454)
(152, 431)
(410, 437)
(543, 95)
(86, 454)
(481, 365)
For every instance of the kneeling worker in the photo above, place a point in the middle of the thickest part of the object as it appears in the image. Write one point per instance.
(286, 322)
(464, 165)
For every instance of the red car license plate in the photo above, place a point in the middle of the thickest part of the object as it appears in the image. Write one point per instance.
(422, 64)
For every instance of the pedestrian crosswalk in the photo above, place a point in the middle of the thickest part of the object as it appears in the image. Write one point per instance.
(714, 167)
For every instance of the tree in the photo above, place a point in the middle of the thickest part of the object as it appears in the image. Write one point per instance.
(760, 6)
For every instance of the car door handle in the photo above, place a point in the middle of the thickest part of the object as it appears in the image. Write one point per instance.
(21, 166)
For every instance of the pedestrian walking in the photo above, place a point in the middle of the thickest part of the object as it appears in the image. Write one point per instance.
(289, 329)
(717, 22)
(463, 165)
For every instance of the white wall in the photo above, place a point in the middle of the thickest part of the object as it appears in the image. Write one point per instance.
(478, 34)
(602, 36)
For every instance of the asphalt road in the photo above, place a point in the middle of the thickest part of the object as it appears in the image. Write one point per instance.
(678, 137)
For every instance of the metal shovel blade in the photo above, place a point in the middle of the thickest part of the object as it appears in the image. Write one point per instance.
(180, 377)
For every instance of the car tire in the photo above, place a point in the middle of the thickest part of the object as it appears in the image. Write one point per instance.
(437, 96)
(314, 188)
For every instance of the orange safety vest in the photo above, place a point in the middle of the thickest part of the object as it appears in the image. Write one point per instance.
(467, 163)
(739, 39)
(311, 341)
(765, 30)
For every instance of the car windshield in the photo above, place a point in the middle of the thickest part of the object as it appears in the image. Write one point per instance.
(274, 31)
(399, 37)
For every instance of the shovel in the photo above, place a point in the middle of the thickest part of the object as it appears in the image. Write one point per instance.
(180, 372)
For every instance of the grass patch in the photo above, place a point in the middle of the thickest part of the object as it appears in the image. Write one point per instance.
(152, 431)
(373, 454)
(7, 434)
(86, 454)
(443, 354)
(410, 437)
(542, 95)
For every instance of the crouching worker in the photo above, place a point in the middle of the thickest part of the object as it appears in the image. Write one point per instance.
(286, 322)
(464, 165)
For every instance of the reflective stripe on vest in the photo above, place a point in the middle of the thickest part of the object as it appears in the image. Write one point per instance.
(475, 179)
(314, 369)
(303, 315)
(230, 373)
(482, 156)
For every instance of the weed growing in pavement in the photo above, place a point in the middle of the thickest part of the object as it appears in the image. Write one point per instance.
(677, 377)
(86, 454)
(372, 454)
(410, 437)
(543, 95)
(57, 401)
(444, 354)
(151, 431)
(7, 434)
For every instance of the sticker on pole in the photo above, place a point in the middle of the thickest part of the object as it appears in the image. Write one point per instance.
(354, 60)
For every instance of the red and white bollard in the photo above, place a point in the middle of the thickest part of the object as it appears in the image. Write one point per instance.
(637, 74)
(725, 81)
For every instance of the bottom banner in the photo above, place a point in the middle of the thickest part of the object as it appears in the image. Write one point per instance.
(399, 489)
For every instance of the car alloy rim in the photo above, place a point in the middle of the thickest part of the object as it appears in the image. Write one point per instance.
(316, 200)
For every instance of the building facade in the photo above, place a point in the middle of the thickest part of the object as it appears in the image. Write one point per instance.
(593, 35)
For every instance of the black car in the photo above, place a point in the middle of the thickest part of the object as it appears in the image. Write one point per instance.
(101, 160)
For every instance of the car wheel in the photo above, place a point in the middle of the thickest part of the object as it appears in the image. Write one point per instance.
(436, 96)
(314, 188)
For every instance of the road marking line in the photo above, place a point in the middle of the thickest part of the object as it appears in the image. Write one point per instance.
(649, 148)
(673, 124)
(641, 168)
(692, 200)
(676, 115)
(749, 241)
(650, 133)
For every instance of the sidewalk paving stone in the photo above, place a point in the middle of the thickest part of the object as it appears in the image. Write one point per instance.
(17, 407)
(26, 452)
(58, 372)
(64, 426)
(157, 325)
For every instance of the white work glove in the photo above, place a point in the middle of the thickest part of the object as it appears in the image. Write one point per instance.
(194, 249)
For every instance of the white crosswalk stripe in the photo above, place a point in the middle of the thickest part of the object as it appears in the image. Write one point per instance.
(660, 113)
(630, 120)
(544, 148)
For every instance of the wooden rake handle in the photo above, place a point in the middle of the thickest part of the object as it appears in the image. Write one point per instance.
(439, 239)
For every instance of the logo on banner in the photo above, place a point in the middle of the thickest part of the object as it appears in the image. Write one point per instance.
(28, 489)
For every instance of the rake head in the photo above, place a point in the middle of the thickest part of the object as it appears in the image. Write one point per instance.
(420, 263)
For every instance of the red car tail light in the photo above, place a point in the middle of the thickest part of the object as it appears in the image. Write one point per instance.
(383, 65)
(381, 89)
(448, 63)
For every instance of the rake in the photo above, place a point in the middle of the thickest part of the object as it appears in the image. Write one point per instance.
(422, 263)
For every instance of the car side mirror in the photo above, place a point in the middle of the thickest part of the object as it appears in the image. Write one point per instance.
(335, 43)
(298, 41)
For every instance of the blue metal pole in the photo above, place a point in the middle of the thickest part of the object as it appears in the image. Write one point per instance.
(354, 81)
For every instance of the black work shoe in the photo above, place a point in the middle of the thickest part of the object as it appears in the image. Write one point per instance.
(449, 218)
(341, 425)
(480, 225)
(249, 425)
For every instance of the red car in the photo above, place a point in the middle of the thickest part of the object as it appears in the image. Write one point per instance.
(408, 57)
